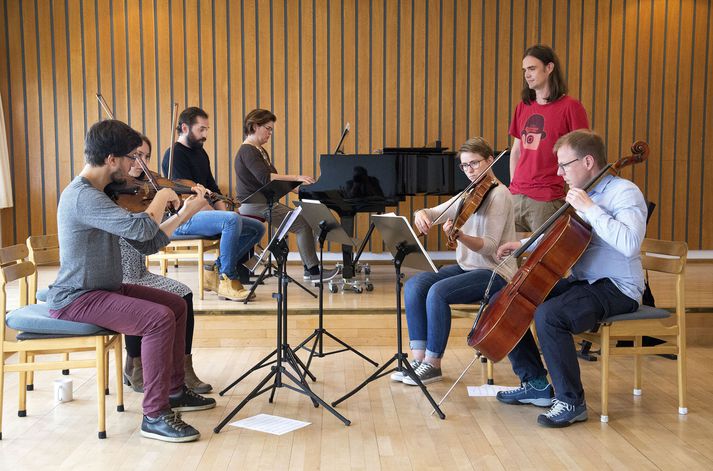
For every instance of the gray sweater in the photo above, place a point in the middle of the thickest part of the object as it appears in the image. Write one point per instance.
(89, 226)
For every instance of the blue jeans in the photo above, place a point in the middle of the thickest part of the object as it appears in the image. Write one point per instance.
(428, 296)
(237, 236)
(570, 308)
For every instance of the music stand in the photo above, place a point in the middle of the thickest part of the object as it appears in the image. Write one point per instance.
(407, 250)
(269, 194)
(325, 224)
(341, 140)
(284, 355)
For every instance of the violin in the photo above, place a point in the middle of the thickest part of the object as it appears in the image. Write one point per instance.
(212, 197)
(468, 205)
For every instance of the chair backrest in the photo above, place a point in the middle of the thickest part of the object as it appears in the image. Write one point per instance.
(44, 250)
(670, 257)
(13, 267)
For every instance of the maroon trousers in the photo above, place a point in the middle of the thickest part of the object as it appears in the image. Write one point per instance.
(157, 316)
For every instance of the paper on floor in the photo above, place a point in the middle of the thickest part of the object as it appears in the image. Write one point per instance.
(487, 390)
(270, 424)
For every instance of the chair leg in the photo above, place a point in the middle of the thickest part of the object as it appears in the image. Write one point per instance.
(101, 400)
(119, 369)
(30, 386)
(66, 370)
(2, 383)
(605, 373)
(106, 369)
(22, 387)
(681, 367)
(638, 342)
(489, 368)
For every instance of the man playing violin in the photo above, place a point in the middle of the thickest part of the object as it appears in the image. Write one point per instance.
(607, 280)
(428, 295)
(89, 284)
(238, 234)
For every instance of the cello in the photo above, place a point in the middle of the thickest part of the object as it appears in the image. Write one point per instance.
(502, 322)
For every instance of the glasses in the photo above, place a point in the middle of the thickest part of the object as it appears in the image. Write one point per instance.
(473, 165)
(132, 157)
(269, 128)
(563, 166)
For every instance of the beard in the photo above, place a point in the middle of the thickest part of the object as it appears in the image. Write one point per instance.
(193, 142)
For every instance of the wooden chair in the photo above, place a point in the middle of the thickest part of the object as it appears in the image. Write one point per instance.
(39, 334)
(187, 247)
(663, 257)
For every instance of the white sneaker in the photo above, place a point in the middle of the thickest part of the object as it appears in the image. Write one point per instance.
(400, 375)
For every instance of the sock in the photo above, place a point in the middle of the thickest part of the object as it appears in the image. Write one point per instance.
(539, 383)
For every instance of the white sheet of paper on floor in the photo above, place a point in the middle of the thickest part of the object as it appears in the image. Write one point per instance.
(270, 424)
(487, 390)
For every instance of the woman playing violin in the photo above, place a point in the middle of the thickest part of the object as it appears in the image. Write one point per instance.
(133, 263)
(428, 295)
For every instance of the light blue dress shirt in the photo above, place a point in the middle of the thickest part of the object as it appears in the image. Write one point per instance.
(618, 220)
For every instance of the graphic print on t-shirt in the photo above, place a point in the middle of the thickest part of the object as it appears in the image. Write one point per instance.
(534, 132)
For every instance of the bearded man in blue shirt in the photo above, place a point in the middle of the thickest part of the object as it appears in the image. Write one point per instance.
(606, 281)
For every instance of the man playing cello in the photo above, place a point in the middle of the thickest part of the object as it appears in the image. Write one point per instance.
(606, 281)
(428, 295)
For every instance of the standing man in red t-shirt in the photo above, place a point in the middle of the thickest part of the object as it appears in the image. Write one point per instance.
(544, 115)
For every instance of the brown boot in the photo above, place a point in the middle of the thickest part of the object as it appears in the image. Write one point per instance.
(191, 380)
(231, 289)
(210, 278)
(136, 377)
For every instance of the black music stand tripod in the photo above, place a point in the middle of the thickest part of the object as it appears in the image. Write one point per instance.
(285, 356)
(405, 247)
(319, 217)
(270, 194)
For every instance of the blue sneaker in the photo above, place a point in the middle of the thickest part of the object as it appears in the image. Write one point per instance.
(563, 415)
(528, 394)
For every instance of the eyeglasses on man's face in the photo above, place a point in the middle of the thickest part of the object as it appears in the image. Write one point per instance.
(563, 166)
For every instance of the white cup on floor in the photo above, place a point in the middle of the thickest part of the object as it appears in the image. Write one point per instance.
(63, 390)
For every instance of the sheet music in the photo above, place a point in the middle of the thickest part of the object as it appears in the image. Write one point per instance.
(415, 238)
(270, 424)
(288, 222)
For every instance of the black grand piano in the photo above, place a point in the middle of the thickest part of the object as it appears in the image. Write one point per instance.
(350, 184)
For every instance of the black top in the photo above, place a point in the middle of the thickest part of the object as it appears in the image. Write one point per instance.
(252, 170)
(190, 164)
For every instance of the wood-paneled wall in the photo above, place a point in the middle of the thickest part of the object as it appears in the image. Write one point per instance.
(403, 73)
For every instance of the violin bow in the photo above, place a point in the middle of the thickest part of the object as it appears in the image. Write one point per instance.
(174, 124)
(104, 105)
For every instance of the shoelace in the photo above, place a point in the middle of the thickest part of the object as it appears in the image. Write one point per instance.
(558, 408)
(423, 368)
(174, 420)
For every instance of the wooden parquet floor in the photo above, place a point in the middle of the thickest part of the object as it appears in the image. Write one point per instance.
(391, 423)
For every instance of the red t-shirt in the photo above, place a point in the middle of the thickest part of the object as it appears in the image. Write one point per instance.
(538, 127)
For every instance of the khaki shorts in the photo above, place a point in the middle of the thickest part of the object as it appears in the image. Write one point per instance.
(531, 214)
